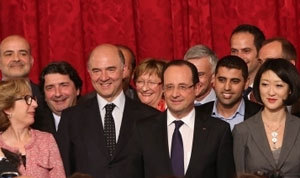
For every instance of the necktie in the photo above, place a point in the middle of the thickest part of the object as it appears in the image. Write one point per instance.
(177, 151)
(109, 129)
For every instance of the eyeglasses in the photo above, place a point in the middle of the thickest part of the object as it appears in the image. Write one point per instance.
(151, 84)
(28, 99)
(181, 88)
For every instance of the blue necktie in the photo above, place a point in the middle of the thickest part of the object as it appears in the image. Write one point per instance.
(177, 151)
(109, 129)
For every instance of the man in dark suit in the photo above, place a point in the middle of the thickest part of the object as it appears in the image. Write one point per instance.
(231, 78)
(181, 142)
(93, 136)
(60, 85)
(16, 61)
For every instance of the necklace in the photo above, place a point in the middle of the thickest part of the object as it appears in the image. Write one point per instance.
(274, 134)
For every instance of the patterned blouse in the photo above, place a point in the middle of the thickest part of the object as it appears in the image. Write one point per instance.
(42, 156)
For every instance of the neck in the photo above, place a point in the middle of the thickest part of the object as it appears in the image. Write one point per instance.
(17, 134)
(227, 111)
(274, 116)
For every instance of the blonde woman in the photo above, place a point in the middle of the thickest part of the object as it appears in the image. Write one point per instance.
(36, 151)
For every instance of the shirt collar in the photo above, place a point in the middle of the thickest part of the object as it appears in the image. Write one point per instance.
(118, 101)
(240, 110)
(188, 119)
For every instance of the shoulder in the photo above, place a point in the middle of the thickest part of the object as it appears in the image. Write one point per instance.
(42, 139)
(293, 118)
(252, 105)
(139, 108)
(152, 120)
(206, 106)
(41, 135)
(80, 107)
(243, 127)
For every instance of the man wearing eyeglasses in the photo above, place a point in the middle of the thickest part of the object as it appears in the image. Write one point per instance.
(231, 79)
(181, 142)
(16, 61)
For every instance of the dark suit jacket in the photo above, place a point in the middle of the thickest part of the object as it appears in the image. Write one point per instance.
(37, 93)
(251, 108)
(130, 92)
(212, 155)
(82, 144)
(252, 151)
(44, 120)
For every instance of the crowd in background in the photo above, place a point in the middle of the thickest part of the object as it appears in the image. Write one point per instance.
(201, 116)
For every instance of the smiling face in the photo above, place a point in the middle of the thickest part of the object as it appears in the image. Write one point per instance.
(106, 71)
(179, 90)
(15, 58)
(273, 91)
(60, 92)
(229, 86)
(149, 89)
(242, 45)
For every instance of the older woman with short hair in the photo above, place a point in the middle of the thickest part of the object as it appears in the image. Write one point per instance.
(268, 142)
(148, 82)
(37, 152)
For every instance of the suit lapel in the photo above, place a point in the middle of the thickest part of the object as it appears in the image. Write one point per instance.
(290, 133)
(260, 138)
(95, 127)
(200, 141)
(126, 126)
(161, 131)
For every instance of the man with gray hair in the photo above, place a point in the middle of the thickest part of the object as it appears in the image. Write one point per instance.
(205, 61)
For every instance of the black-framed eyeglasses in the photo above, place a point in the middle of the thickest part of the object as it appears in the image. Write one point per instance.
(28, 99)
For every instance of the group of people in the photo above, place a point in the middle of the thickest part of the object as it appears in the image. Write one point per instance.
(197, 117)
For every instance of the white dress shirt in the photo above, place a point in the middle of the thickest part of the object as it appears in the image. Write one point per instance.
(187, 134)
(117, 113)
(56, 120)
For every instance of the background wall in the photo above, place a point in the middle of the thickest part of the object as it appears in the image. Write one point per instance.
(70, 29)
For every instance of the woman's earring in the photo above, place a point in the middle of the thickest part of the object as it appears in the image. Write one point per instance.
(9, 115)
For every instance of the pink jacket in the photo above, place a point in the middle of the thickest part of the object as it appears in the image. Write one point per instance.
(42, 156)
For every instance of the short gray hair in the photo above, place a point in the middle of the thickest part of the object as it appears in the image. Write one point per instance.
(200, 51)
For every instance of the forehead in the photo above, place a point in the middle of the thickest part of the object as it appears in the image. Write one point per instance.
(270, 75)
(14, 43)
(104, 59)
(148, 75)
(271, 50)
(56, 78)
(177, 75)
(242, 40)
(229, 73)
(201, 63)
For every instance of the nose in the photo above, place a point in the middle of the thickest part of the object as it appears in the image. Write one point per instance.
(227, 86)
(34, 104)
(57, 92)
(145, 87)
(271, 91)
(175, 92)
(103, 76)
(16, 57)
